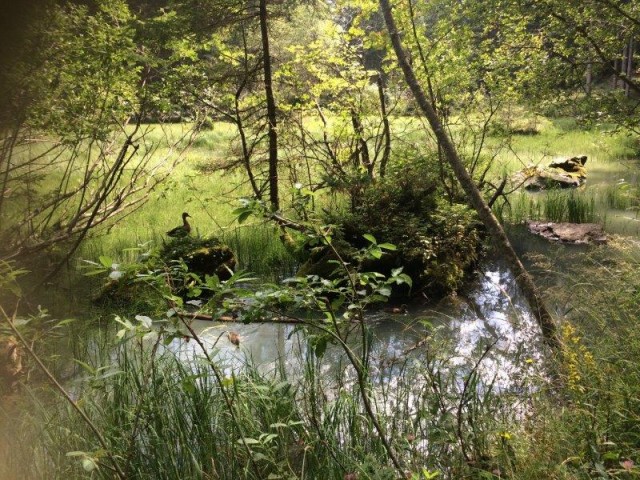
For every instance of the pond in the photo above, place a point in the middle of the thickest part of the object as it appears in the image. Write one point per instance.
(490, 315)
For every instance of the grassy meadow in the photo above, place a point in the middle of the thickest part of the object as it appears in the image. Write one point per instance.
(198, 186)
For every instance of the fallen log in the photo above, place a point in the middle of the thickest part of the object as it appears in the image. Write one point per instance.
(232, 319)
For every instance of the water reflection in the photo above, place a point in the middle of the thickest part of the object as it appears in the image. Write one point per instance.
(458, 331)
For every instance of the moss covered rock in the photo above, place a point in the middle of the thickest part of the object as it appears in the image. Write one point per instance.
(569, 173)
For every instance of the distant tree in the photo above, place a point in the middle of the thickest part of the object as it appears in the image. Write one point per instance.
(587, 56)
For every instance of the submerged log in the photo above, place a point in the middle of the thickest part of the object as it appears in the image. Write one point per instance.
(569, 233)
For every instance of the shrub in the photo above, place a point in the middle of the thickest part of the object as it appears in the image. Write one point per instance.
(436, 242)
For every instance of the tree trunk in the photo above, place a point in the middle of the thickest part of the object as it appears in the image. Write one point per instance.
(501, 241)
(623, 66)
(271, 109)
(361, 155)
(386, 130)
(629, 65)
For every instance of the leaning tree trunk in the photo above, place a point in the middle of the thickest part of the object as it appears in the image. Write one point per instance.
(271, 109)
(523, 279)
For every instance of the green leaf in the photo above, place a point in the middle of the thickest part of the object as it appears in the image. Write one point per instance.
(385, 291)
(320, 346)
(259, 456)
(88, 368)
(105, 261)
(404, 278)
(267, 437)
(388, 246)
(337, 303)
(89, 464)
(243, 216)
(76, 454)
(370, 238)
(94, 272)
(62, 323)
(144, 320)
(248, 441)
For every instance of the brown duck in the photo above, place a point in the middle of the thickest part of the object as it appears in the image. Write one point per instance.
(401, 310)
(182, 230)
(234, 338)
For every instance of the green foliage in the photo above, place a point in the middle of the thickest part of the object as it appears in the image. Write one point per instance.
(145, 397)
(597, 431)
(436, 242)
(184, 268)
(82, 55)
(9, 275)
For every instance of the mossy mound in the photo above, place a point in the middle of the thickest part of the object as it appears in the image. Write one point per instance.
(437, 242)
(131, 285)
(202, 256)
(131, 292)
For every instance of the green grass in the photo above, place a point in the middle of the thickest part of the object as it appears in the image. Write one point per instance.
(167, 418)
(563, 138)
(611, 190)
(210, 198)
(552, 206)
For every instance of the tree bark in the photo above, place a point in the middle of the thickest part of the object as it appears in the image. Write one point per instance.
(271, 109)
(629, 65)
(386, 130)
(501, 241)
(361, 155)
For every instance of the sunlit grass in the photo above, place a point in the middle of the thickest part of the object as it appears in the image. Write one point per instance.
(210, 195)
(198, 186)
(562, 138)
(609, 196)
